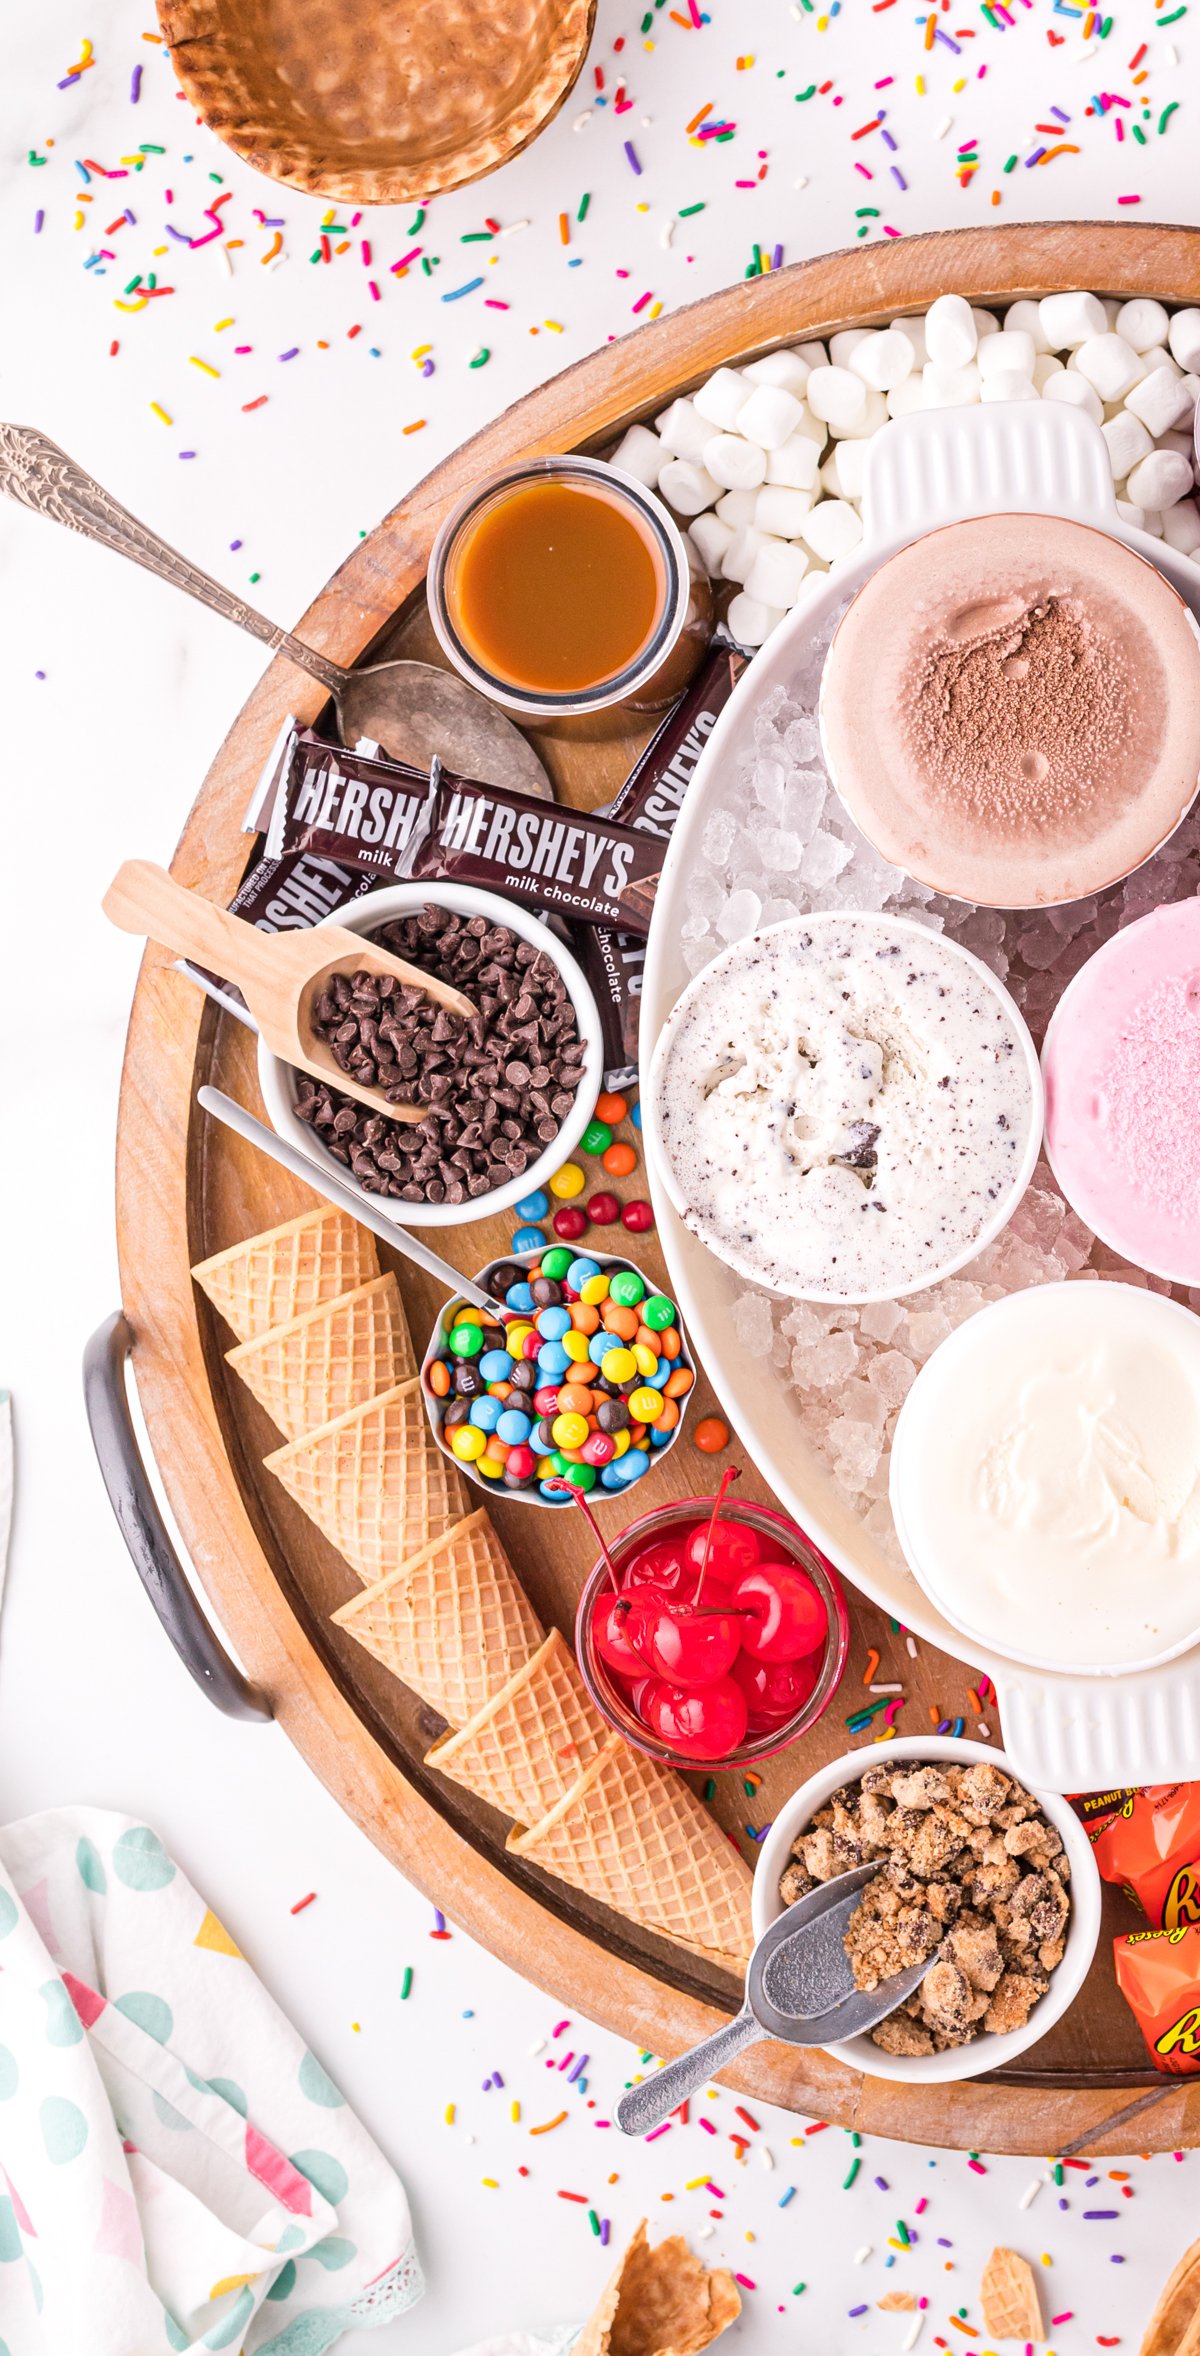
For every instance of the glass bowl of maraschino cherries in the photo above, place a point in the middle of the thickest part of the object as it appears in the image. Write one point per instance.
(711, 1632)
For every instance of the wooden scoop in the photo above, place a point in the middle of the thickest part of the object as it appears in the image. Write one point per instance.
(280, 975)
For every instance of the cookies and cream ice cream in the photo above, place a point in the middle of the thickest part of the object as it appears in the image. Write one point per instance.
(1011, 710)
(845, 1106)
(1045, 1476)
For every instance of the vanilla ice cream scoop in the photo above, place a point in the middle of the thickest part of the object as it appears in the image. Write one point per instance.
(1045, 1477)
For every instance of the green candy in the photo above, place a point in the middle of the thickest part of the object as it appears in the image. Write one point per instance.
(628, 1288)
(466, 1341)
(556, 1261)
(597, 1137)
(581, 1476)
(659, 1313)
(559, 1463)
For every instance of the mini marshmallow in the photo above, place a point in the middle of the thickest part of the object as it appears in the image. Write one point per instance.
(950, 388)
(1152, 522)
(812, 585)
(836, 396)
(1135, 517)
(711, 539)
(1109, 364)
(832, 530)
(785, 369)
(734, 464)
(986, 323)
(1181, 526)
(1010, 350)
(796, 463)
(1025, 318)
(951, 335)
(1128, 442)
(1009, 384)
(1142, 322)
(843, 346)
(1112, 304)
(751, 622)
(1160, 400)
(687, 488)
(849, 463)
(683, 431)
(1045, 365)
(1160, 478)
(815, 354)
(831, 480)
(1180, 438)
(1192, 381)
(641, 454)
(1069, 319)
(737, 508)
(904, 398)
(1183, 336)
(720, 398)
(777, 572)
(883, 359)
(914, 329)
(738, 560)
(770, 416)
(868, 422)
(1074, 389)
(781, 510)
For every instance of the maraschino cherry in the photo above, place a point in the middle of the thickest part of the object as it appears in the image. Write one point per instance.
(700, 1722)
(784, 1615)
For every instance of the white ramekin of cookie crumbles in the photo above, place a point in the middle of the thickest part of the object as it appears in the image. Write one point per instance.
(990, 2048)
(281, 1085)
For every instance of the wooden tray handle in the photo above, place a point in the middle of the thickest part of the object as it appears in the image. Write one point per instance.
(145, 1533)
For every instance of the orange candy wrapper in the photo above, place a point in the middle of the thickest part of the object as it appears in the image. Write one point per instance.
(1148, 1840)
(1158, 1974)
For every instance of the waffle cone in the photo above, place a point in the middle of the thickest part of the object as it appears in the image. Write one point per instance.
(526, 1747)
(375, 1482)
(452, 1621)
(273, 1277)
(634, 1835)
(659, 2302)
(332, 1358)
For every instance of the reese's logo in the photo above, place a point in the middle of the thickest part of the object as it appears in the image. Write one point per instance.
(1183, 2036)
(1181, 1906)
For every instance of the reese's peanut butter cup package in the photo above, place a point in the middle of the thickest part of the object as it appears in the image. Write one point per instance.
(1158, 1974)
(1148, 1840)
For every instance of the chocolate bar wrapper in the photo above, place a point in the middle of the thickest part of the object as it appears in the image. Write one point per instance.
(1158, 1974)
(1148, 1841)
(649, 802)
(357, 809)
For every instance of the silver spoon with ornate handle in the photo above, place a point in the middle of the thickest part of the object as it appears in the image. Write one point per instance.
(412, 710)
(799, 1988)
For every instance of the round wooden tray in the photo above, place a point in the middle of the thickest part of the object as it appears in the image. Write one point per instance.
(186, 1188)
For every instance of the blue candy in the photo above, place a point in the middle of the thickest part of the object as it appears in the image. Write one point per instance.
(554, 1496)
(657, 1439)
(662, 1373)
(553, 1323)
(529, 1239)
(629, 1467)
(600, 1345)
(520, 1298)
(513, 1427)
(552, 1360)
(534, 1206)
(485, 1414)
(636, 1116)
(495, 1366)
(610, 1478)
(580, 1273)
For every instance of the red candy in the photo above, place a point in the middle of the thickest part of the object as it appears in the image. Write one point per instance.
(521, 1462)
(705, 1722)
(569, 1225)
(638, 1217)
(784, 1617)
(604, 1210)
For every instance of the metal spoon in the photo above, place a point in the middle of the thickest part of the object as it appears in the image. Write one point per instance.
(799, 1988)
(412, 710)
(321, 1178)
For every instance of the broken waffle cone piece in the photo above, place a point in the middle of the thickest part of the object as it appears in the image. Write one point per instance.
(897, 2303)
(329, 1359)
(1174, 2327)
(276, 1276)
(634, 1835)
(659, 2302)
(528, 1745)
(1009, 2298)
(452, 1621)
(374, 1482)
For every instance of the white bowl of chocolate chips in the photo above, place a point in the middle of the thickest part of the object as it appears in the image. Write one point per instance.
(995, 1882)
(509, 1096)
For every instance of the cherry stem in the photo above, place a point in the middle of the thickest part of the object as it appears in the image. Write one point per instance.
(732, 1472)
(577, 1498)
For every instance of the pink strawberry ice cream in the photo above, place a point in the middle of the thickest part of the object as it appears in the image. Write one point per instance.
(1122, 1071)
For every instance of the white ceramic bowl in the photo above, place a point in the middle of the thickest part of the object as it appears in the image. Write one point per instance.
(278, 1081)
(1083, 1928)
(659, 1159)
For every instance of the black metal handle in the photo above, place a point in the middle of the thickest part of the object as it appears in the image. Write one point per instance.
(132, 1499)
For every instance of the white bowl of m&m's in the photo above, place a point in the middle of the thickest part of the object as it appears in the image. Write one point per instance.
(582, 1377)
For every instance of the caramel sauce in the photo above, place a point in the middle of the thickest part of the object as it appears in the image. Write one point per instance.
(556, 587)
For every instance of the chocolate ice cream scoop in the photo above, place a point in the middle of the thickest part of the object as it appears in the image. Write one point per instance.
(1011, 710)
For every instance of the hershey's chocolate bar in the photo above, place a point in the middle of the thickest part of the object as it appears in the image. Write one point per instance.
(572, 862)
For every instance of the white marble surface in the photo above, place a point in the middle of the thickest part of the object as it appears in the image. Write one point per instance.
(102, 758)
